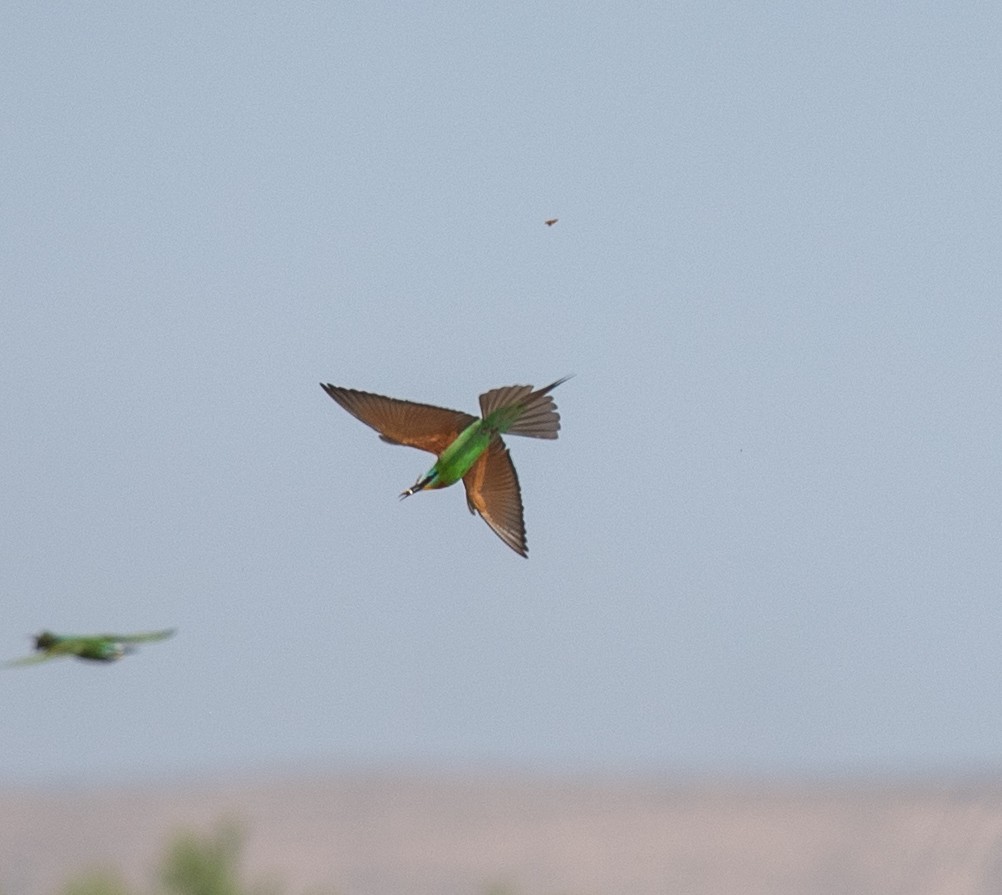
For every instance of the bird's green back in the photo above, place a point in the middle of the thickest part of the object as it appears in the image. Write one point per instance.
(459, 456)
(503, 410)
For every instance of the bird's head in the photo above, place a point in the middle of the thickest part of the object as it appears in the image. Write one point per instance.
(45, 640)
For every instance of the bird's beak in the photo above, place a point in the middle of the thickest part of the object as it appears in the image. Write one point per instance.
(419, 485)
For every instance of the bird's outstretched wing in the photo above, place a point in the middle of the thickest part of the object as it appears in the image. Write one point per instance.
(33, 660)
(421, 426)
(144, 637)
(492, 491)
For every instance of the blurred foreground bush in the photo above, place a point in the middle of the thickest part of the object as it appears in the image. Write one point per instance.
(197, 865)
(193, 865)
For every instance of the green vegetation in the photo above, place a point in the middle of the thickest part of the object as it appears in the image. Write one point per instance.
(197, 865)
(97, 882)
(206, 866)
(193, 865)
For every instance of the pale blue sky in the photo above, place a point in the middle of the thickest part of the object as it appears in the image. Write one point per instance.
(768, 537)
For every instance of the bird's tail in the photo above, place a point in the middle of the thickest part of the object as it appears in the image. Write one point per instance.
(532, 413)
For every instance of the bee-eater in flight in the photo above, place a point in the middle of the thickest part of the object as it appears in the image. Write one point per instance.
(92, 647)
(467, 448)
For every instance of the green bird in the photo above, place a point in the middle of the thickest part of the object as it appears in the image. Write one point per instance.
(92, 647)
(467, 448)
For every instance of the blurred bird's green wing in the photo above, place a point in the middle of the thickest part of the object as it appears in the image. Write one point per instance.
(421, 426)
(145, 637)
(492, 491)
(33, 660)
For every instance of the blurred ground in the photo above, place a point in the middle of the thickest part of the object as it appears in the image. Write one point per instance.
(421, 834)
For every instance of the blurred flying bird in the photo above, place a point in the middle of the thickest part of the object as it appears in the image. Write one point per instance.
(467, 448)
(551, 222)
(92, 647)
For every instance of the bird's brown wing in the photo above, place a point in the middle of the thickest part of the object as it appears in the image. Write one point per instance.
(421, 426)
(492, 491)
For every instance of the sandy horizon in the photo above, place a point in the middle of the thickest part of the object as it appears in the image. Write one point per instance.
(427, 833)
